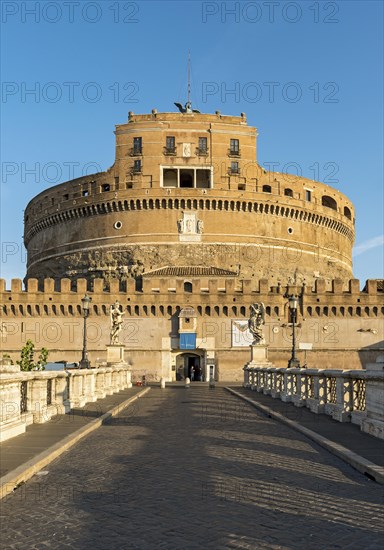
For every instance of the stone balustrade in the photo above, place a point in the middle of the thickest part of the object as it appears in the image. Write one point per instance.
(37, 396)
(355, 396)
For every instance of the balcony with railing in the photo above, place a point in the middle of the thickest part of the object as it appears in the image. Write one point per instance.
(234, 171)
(170, 150)
(233, 152)
(137, 169)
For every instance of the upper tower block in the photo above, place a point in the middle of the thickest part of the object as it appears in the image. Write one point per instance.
(186, 190)
(184, 150)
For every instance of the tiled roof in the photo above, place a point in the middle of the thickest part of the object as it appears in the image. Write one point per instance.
(190, 271)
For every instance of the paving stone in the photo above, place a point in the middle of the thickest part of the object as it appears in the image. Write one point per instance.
(193, 469)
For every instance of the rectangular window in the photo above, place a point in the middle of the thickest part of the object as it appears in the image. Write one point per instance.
(203, 145)
(170, 147)
(234, 167)
(137, 166)
(85, 193)
(105, 187)
(137, 145)
(307, 195)
(203, 179)
(234, 147)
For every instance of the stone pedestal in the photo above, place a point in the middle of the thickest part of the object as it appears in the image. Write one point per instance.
(374, 422)
(259, 355)
(115, 355)
(120, 379)
(259, 358)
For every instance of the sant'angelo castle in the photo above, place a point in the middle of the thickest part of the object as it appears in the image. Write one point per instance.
(186, 230)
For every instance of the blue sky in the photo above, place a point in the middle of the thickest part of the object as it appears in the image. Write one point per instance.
(307, 74)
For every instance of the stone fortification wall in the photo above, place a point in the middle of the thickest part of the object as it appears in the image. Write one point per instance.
(344, 325)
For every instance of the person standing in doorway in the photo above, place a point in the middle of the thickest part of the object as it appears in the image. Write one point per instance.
(192, 373)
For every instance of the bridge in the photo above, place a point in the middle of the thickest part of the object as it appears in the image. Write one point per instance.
(192, 467)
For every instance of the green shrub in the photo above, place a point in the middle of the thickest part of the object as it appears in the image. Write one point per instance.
(27, 362)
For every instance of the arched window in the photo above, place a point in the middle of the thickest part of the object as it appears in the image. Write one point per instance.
(288, 192)
(267, 189)
(347, 212)
(329, 202)
(187, 286)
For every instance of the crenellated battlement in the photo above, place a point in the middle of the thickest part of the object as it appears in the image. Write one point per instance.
(227, 296)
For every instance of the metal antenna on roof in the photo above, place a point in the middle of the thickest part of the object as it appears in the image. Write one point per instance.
(189, 79)
(188, 106)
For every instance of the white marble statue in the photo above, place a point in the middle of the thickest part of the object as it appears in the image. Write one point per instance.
(116, 316)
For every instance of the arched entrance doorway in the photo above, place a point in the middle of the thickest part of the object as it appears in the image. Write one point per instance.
(190, 365)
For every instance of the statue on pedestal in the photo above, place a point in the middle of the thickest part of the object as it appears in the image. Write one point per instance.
(116, 316)
(255, 322)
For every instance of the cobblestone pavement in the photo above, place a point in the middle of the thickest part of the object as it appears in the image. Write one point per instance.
(197, 468)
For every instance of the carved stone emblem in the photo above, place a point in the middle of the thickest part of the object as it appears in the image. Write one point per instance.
(189, 227)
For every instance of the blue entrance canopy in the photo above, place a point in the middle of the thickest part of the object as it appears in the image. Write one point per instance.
(188, 340)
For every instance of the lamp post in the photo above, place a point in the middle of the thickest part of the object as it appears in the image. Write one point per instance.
(293, 302)
(85, 363)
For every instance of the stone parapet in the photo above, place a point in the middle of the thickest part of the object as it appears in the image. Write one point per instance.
(346, 395)
(35, 397)
(373, 423)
